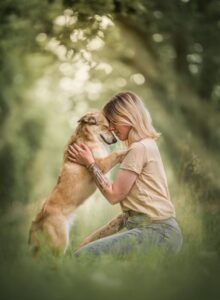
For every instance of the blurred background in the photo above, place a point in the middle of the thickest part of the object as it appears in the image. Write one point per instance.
(60, 59)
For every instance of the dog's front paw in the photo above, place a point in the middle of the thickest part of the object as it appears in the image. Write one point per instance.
(121, 154)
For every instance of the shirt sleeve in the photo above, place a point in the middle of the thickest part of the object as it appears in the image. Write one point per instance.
(135, 159)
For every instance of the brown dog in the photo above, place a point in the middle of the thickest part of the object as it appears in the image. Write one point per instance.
(74, 185)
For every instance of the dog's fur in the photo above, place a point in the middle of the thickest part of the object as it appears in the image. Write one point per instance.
(75, 184)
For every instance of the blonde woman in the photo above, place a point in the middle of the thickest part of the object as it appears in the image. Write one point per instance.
(140, 186)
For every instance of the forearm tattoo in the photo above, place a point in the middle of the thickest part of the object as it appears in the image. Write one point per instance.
(100, 179)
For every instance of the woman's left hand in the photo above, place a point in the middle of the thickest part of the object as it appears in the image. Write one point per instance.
(80, 154)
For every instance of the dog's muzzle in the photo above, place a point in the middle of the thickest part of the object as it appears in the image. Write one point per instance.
(109, 142)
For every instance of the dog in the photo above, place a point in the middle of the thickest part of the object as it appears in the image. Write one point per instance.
(75, 184)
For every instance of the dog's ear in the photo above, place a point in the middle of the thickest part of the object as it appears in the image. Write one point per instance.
(88, 119)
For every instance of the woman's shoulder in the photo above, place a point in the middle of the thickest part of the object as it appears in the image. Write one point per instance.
(136, 145)
(147, 146)
(143, 146)
(147, 143)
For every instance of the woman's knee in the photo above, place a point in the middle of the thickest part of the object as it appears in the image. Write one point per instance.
(85, 251)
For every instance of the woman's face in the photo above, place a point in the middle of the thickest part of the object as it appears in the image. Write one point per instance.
(121, 131)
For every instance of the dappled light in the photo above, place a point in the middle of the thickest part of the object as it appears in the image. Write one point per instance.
(61, 59)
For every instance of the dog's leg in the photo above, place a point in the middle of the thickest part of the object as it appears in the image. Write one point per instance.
(51, 234)
(107, 163)
(57, 233)
(115, 225)
(33, 240)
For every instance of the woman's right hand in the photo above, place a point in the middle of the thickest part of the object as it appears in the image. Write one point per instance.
(83, 243)
(80, 154)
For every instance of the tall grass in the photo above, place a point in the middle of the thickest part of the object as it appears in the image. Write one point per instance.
(191, 274)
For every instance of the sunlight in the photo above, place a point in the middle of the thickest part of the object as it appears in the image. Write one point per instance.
(56, 48)
(77, 35)
(104, 21)
(42, 90)
(104, 67)
(157, 37)
(66, 69)
(61, 52)
(95, 44)
(79, 72)
(93, 89)
(67, 84)
(67, 19)
(61, 59)
(194, 58)
(121, 82)
(193, 68)
(41, 37)
(53, 44)
(138, 78)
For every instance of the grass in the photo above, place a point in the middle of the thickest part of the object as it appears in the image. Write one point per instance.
(191, 274)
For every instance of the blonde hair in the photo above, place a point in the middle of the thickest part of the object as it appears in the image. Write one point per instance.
(126, 108)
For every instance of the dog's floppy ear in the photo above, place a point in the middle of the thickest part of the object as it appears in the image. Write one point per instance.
(88, 119)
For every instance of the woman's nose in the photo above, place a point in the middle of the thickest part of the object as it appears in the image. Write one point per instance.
(110, 128)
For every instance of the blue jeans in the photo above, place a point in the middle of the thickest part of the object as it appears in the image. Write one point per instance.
(141, 235)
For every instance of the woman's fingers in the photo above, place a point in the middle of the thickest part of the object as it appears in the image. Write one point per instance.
(84, 146)
(79, 147)
(72, 159)
(74, 152)
(72, 149)
(76, 147)
(80, 153)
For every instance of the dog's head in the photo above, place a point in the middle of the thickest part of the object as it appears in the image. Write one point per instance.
(94, 126)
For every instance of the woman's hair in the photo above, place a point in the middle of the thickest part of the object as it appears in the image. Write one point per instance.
(126, 108)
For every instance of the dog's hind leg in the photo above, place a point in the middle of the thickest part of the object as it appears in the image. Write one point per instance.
(33, 240)
(57, 234)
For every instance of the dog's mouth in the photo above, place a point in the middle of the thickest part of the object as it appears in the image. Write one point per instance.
(113, 140)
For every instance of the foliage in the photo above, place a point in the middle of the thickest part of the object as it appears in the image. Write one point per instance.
(192, 273)
(59, 59)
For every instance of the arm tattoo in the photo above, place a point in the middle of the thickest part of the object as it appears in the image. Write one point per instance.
(114, 226)
(100, 179)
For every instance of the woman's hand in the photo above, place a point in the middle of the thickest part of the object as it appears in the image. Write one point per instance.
(80, 154)
(83, 243)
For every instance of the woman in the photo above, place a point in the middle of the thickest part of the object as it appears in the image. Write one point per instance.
(140, 186)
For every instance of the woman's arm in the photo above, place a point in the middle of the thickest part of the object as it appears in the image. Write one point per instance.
(114, 192)
(113, 226)
(118, 190)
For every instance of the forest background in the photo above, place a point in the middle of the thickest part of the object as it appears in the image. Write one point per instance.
(60, 59)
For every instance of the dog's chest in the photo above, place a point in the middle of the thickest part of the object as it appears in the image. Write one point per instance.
(76, 183)
(99, 151)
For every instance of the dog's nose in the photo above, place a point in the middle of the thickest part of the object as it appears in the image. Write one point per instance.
(114, 139)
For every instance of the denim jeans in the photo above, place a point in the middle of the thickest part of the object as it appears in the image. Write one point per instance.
(141, 235)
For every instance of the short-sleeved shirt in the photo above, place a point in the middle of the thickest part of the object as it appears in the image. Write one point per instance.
(150, 193)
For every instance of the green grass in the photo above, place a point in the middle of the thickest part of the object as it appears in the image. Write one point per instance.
(192, 274)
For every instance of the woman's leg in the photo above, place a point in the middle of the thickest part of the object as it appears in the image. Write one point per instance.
(134, 240)
(172, 235)
(118, 244)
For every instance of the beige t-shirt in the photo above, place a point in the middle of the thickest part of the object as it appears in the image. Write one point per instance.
(149, 194)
